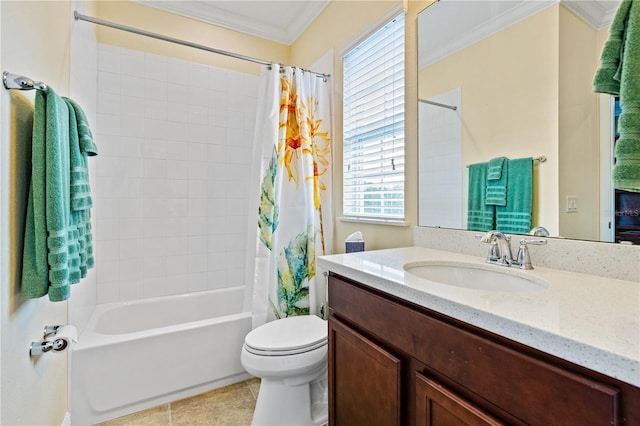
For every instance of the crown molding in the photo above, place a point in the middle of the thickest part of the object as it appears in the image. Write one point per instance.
(253, 22)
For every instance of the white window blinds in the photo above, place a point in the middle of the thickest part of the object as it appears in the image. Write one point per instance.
(373, 120)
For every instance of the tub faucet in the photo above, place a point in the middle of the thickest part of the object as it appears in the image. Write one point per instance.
(500, 252)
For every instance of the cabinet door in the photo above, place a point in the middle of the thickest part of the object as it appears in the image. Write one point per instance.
(364, 380)
(437, 406)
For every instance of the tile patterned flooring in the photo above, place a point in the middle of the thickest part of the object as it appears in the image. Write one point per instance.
(228, 406)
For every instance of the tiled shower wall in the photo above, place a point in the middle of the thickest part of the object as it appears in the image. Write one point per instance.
(175, 142)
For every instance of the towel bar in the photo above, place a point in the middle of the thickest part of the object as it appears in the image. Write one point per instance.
(15, 81)
(540, 159)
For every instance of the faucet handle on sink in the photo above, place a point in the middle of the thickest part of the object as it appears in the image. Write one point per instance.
(523, 260)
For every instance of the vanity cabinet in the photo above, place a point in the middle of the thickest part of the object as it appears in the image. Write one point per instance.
(392, 362)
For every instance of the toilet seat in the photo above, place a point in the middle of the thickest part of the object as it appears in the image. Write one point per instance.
(287, 336)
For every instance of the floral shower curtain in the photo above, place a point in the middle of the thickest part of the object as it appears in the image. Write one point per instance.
(294, 213)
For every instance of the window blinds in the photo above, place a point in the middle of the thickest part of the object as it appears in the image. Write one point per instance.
(373, 120)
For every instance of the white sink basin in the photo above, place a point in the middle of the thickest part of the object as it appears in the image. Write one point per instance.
(479, 277)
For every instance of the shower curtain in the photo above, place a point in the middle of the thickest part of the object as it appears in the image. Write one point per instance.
(294, 223)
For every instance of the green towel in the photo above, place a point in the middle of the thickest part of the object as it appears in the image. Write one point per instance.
(480, 216)
(496, 194)
(46, 249)
(80, 148)
(619, 74)
(516, 216)
(80, 240)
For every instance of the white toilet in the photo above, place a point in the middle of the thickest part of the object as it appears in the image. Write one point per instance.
(290, 357)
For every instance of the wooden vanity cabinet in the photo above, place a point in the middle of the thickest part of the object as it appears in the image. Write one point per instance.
(392, 362)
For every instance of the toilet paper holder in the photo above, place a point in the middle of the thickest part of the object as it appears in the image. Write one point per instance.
(50, 342)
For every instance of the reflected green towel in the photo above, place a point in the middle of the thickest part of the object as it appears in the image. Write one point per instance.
(516, 216)
(619, 74)
(496, 194)
(46, 249)
(480, 216)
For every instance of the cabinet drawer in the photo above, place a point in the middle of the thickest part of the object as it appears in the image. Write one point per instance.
(532, 390)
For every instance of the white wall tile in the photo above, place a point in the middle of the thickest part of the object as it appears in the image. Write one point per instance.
(177, 265)
(177, 284)
(132, 62)
(197, 282)
(155, 67)
(177, 70)
(199, 76)
(154, 287)
(129, 290)
(218, 79)
(108, 82)
(154, 168)
(171, 186)
(176, 169)
(133, 85)
(108, 58)
(109, 103)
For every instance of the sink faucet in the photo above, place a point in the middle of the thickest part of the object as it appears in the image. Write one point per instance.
(501, 256)
(500, 251)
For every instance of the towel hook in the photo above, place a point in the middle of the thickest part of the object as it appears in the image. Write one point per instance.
(15, 81)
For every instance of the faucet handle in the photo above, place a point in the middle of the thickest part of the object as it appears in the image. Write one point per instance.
(493, 255)
(523, 259)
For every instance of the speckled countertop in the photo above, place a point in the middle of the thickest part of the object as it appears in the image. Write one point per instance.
(588, 320)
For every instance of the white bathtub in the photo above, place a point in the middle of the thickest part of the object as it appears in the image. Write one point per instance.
(137, 355)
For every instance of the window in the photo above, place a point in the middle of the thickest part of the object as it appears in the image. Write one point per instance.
(373, 120)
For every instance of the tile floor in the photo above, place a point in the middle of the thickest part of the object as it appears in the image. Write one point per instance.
(229, 406)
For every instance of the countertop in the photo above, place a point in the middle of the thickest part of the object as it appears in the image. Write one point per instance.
(588, 320)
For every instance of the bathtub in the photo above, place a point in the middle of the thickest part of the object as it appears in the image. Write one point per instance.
(136, 355)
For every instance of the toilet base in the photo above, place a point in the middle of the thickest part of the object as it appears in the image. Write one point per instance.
(280, 404)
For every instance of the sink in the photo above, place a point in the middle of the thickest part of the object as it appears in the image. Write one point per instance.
(479, 277)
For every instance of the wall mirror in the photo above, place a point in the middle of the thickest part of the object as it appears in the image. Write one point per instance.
(514, 79)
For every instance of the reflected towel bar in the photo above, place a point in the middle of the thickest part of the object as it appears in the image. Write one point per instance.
(19, 82)
(540, 159)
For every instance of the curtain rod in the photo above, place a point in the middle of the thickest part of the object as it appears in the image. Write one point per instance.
(81, 17)
(451, 107)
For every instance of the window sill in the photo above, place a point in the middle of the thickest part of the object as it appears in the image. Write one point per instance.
(373, 221)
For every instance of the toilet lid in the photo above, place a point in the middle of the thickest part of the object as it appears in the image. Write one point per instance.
(288, 335)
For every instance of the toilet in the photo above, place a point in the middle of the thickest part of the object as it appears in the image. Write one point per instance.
(290, 357)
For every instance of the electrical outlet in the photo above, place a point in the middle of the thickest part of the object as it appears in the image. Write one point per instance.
(572, 204)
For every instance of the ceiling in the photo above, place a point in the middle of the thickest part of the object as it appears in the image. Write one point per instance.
(278, 20)
(475, 20)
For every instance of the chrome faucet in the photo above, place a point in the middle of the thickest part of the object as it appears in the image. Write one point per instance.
(500, 251)
(539, 231)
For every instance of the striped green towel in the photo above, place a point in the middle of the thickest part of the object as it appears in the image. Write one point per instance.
(516, 216)
(496, 194)
(480, 216)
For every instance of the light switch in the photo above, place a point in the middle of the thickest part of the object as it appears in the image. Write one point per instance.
(572, 204)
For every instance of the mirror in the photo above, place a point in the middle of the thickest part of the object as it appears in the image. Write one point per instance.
(514, 79)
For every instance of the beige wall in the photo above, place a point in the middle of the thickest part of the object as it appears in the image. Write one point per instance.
(157, 21)
(35, 42)
(509, 115)
(341, 24)
(578, 132)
